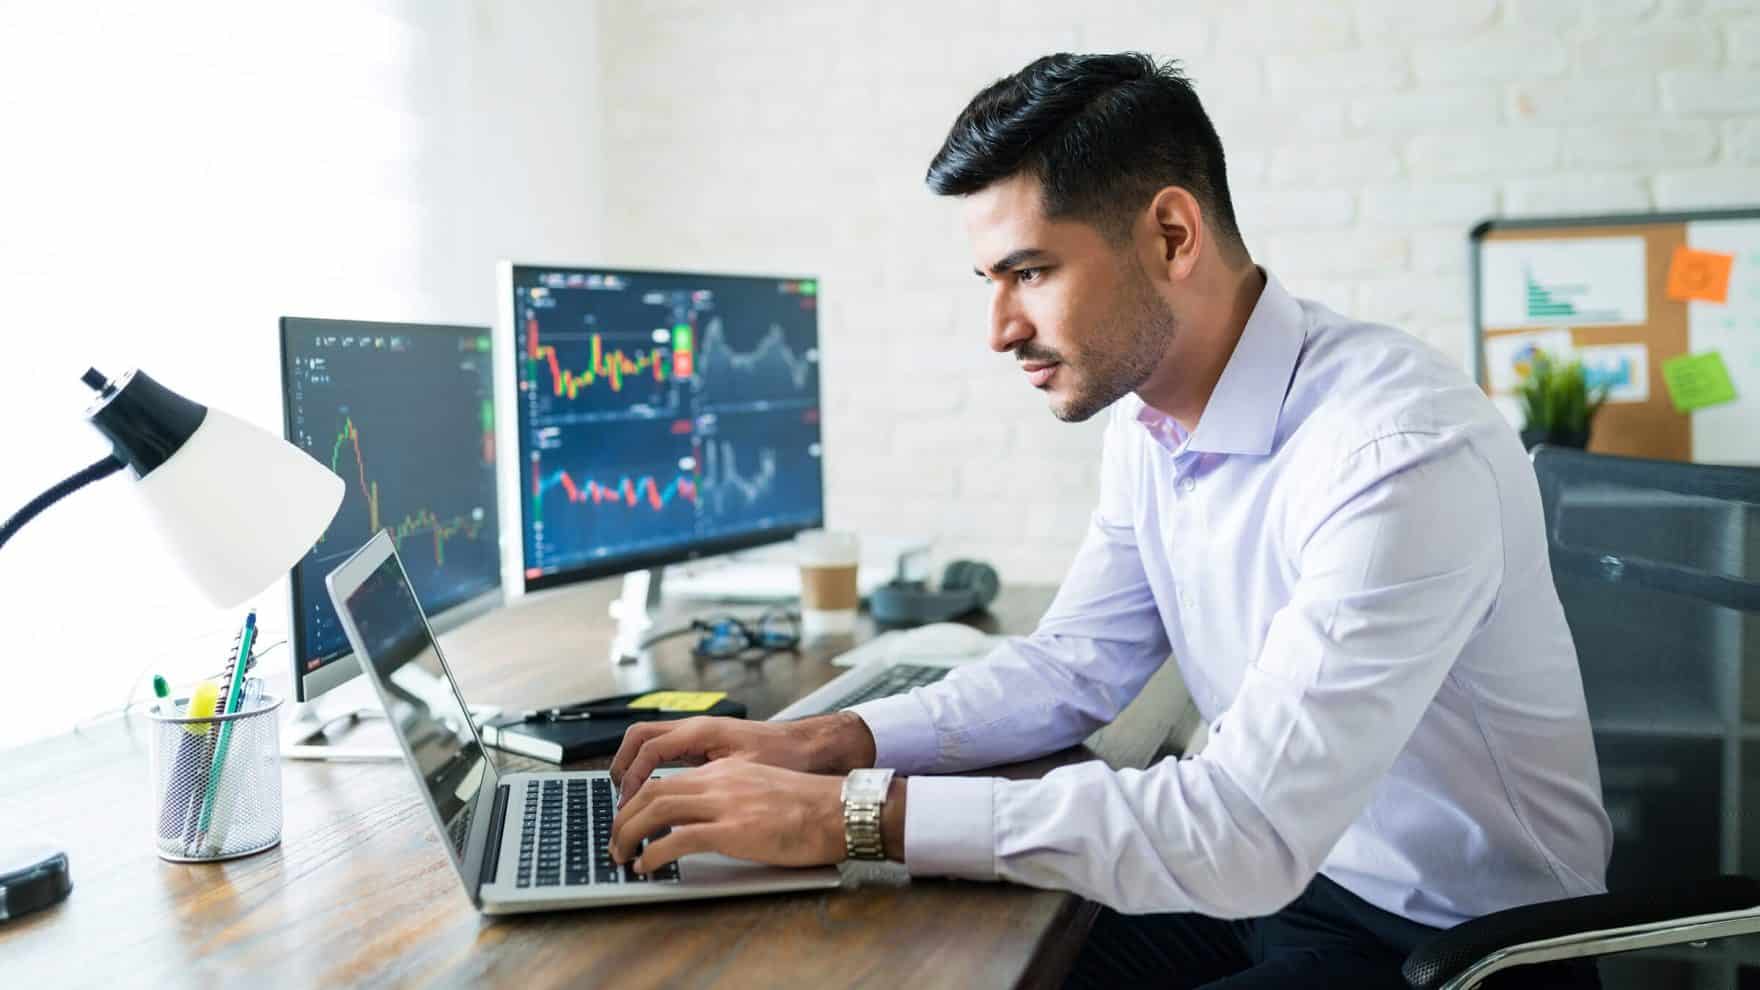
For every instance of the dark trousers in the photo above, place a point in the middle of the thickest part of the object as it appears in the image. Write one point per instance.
(1328, 937)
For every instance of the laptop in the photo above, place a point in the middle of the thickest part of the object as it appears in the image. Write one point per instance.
(894, 663)
(519, 841)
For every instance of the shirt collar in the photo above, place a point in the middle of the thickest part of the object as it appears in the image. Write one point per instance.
(1241, 416)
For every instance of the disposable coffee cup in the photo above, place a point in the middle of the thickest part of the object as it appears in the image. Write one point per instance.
(828, 560)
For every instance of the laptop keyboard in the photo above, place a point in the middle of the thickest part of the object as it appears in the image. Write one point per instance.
(565, 837)
(896, 679)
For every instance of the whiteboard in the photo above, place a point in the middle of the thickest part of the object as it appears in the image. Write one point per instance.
(1729, 434)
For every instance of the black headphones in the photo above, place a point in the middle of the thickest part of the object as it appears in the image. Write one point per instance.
(966, 586)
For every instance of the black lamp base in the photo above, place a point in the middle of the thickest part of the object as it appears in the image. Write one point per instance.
(32, 878)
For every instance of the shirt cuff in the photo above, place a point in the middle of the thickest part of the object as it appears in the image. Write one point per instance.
(950, 827)
(904, 735)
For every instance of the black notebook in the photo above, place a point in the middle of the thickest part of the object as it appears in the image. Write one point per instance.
(571, 741)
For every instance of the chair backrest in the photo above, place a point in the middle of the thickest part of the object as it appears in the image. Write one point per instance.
(1657, 564)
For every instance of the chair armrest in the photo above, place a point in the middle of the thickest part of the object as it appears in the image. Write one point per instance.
(1445, 955)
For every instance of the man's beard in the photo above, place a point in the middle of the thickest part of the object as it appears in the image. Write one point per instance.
(1124, 352)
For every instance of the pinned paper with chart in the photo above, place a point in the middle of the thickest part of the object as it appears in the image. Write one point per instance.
(1594, 281)
(1623, 370)
(1509, 357)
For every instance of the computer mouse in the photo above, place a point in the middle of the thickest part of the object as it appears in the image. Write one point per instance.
(943, 639)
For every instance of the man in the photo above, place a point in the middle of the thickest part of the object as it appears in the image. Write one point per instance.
(1326, 523)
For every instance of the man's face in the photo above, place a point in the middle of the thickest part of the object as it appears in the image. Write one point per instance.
(1077, 311)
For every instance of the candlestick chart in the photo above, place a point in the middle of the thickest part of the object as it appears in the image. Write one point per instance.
(406, 418)
(660, 412)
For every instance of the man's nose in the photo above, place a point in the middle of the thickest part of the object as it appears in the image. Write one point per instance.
(1009, 327)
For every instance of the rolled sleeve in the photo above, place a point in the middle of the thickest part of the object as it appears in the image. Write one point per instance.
(950, 827)
(904, 733)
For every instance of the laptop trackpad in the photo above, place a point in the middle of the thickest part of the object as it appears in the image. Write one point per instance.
(714, 868)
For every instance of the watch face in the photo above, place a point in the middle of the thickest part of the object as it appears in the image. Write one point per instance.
(867, 785)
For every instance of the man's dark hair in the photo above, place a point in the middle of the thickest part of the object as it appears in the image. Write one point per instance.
(1102, 133)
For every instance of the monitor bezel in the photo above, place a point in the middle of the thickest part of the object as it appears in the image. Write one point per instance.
(507, 389)
(334, 671)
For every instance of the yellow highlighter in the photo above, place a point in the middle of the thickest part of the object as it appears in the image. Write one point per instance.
(201, 705)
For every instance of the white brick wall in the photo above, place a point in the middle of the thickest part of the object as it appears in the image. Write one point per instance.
(1364, 139)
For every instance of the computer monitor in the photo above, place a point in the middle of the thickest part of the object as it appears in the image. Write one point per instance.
(405, 414)
(659, 416)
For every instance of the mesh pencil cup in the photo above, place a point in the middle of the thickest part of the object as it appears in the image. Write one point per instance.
(216, 782)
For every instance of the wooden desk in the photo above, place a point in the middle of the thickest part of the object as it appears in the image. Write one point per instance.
(360, 891)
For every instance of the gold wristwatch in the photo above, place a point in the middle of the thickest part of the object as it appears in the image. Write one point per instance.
(864, 791)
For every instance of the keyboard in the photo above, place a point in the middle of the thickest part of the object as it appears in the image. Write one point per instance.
(565, 838)
(896, 679)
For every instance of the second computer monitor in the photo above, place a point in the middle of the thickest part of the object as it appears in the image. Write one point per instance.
(661, 416)
(405, 414)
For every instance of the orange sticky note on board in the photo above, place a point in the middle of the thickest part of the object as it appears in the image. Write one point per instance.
(1699, 276)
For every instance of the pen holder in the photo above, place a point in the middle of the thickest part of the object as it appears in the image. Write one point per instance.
(216, 782)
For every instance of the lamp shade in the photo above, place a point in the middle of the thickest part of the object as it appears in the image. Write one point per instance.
(236, 505)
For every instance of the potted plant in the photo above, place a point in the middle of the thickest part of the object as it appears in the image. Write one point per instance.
(1557, 403)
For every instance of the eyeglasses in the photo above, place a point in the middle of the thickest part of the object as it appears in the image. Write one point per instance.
(727, 637)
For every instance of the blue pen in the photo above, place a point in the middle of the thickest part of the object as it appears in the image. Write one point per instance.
(231, 705)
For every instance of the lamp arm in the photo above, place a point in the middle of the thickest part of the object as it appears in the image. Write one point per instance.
(85, 476)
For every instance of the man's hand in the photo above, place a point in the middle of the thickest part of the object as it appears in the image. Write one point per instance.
(736, 808)
(826, 744)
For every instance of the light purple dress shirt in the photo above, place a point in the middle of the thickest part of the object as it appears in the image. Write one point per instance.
(1347, 561)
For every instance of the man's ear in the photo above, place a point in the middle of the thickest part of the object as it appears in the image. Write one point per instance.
(1177, 232)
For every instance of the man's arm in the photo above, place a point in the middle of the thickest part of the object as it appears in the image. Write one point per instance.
(1402, 566)
(1098, 644)
(1096, 647)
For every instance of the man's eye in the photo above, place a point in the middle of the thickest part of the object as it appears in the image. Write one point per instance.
(1028, 274)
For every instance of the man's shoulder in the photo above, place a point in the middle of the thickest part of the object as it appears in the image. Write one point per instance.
(1358, 382)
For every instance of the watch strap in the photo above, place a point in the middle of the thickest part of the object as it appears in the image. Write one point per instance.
(863, 798)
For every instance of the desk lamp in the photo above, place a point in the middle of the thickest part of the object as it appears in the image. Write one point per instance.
(236, 506)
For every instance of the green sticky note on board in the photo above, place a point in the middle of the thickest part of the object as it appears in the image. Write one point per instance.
(1697, 380)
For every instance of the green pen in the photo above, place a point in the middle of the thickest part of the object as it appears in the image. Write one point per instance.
(230, 703)
(162, 690)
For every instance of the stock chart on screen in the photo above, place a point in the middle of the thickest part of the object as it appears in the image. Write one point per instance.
(405, 415)
(662, 415)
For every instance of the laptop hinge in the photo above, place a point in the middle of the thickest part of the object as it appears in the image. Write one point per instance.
(492, 847)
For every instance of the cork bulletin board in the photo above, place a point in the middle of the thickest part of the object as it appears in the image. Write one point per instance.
(1663, 309)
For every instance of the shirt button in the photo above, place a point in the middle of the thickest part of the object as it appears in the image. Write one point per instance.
(1187, 483)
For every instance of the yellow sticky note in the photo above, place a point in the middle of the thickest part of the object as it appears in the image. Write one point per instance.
(679, 701)
(1699, 276)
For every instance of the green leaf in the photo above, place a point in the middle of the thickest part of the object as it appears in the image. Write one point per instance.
(1556, 397)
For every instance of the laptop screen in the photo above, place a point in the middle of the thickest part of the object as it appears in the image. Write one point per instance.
(422, 701)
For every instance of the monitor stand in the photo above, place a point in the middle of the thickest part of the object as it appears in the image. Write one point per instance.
(634, 611)
(337, 737)
(632, 658)
(349, 731)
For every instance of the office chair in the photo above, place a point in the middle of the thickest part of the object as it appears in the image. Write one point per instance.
(1656, 563)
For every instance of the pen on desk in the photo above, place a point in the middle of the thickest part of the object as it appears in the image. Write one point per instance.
(579, 714)
(161, 690)
(628, 706)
